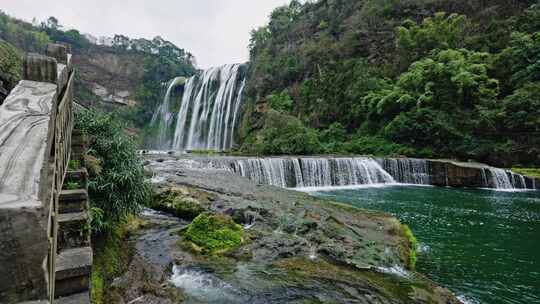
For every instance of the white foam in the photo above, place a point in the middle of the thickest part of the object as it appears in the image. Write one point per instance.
(466, 300)
(202, 286)
(354, 187)
(395, 270)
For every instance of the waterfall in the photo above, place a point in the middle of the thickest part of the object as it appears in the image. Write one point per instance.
(408, 170)
(272, 171)
(164, 117)
(500, 179)
(506, 180)
(312, 172)
(209, 110)
(326, 172)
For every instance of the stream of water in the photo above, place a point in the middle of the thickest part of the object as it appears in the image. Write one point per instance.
(483, 245)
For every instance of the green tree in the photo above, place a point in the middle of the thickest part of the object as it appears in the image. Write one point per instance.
(280, 101)
(438, 102)
(332, 95)
(521, 110)
(524, 53)
(284, 134)
(439, 32)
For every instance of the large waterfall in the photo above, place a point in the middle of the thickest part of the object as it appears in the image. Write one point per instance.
(209, 112)
(163, 117)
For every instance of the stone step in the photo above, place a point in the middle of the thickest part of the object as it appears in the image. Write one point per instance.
(79, 175)
(80, 298)
(73, 268)
(73, 230)
(72, 201)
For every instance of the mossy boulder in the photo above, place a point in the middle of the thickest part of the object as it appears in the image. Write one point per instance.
(214, 233)
(181, 203)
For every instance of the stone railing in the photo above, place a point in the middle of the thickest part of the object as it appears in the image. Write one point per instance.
(36, 123)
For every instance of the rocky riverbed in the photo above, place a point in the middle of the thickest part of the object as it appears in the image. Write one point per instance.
(291, 247)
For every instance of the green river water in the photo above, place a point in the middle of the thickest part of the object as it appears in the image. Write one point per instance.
(483, 245)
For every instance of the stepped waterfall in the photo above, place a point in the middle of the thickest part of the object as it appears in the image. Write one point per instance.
(327, 172)
(312, 172)
(209, 111)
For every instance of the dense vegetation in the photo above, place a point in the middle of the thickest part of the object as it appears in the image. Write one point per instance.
(10, 65)
(117, 184)
(163, 62)
(427, 78)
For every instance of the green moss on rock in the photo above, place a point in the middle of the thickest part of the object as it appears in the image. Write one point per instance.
(181, 203)
(412, 244)
(530, 172)
(214, 233)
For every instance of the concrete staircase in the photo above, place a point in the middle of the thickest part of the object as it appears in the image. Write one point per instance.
(74, 258)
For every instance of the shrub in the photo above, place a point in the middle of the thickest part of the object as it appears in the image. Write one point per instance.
(285, 134)
(117, 188)
(10, 65)
(375, 145)
(281, 102)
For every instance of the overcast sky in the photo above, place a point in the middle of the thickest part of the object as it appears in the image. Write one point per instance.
(215, 31)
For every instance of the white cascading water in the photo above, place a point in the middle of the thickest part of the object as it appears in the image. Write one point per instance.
(318, 172)
(164, 117)
(408, 170)
(312, 172)
(209, 111)
(505, 180)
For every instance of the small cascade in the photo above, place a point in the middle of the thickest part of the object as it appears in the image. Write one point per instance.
(408, 170)
(500, 179)
(209, 111)
(164, 116)
(506, 180)
(312, 172)
(326, 172)
(484, 178)
(271, 171)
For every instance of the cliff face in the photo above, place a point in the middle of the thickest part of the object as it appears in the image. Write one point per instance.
(466, 175)
(110, 75)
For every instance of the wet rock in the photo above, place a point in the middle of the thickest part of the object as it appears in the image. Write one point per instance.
(181, 202)
(294, 248)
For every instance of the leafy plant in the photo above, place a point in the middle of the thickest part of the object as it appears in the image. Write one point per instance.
(280, 102)
(119, 188)
(10, 65)
(71, 185)
(440, 32)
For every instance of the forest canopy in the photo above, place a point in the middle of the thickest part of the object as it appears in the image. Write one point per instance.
(415, 78)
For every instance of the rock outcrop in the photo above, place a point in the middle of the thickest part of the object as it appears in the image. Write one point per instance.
(110, 75)
(294, 249)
